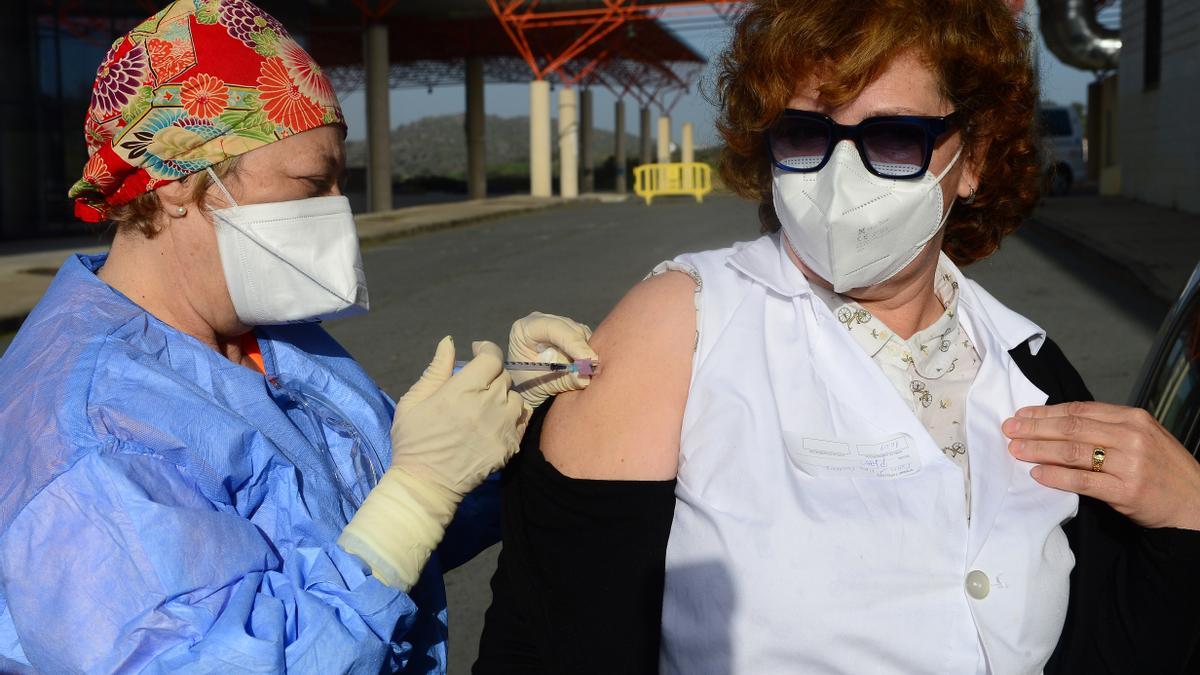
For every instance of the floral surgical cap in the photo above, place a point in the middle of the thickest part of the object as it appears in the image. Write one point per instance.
(195, 84)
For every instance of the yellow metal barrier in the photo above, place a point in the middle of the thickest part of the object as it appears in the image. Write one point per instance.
(677, 178)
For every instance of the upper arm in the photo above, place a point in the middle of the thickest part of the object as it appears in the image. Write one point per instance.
(626, 424)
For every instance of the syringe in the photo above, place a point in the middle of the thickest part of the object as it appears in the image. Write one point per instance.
(584, 367)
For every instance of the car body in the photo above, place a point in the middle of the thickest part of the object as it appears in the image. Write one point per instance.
(1065, 147)
(1169, 386)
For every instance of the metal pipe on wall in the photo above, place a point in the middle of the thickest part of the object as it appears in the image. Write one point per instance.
(1075, 36)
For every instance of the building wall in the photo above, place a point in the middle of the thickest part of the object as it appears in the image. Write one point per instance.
(1159, 137)
(1104, 158)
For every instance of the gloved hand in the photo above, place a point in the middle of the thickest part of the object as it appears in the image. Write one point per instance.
(549, 338)
(450, 432)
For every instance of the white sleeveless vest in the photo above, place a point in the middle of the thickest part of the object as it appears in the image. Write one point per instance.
(819, 529)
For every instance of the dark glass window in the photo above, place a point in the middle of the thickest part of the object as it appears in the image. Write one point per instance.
(1172, 391)
(51, 50)
(1152, 57)
(71, 47)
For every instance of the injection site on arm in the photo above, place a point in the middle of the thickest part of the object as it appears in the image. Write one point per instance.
(626, 424)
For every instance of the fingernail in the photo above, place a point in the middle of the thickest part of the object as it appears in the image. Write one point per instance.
(1025, 412)
(1012, 426)
(1015, 447)
(1036, 472)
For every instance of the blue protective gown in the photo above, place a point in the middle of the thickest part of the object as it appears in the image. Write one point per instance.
(165, 510)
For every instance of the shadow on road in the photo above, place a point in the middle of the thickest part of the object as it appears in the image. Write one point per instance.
(1120, 286)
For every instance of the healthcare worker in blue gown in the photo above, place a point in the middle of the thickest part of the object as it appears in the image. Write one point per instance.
(194, 476)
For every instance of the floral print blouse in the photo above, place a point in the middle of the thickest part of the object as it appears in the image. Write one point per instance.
(932, 371)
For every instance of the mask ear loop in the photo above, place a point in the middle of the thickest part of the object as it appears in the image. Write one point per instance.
(953, 161)
(938, 181)
(213, 175)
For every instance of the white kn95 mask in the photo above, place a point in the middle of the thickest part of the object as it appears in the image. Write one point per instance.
(296, 261)
(855, 229)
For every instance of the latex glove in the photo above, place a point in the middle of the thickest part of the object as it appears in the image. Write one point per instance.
(450, 432)
(548, 338)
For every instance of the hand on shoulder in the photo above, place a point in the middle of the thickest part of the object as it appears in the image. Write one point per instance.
(1114, 453)
(626, 424)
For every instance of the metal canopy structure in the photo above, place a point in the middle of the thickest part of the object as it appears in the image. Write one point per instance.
(624, 46)
(618, 44)
(532, 25)
(430, 51)
(467, 9)
(583, 43)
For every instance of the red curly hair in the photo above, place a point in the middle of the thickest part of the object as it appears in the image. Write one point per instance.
(978, 52)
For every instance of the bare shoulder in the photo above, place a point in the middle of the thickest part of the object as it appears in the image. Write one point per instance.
(626, 424)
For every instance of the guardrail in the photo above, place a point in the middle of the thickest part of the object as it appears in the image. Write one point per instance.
(676, 178)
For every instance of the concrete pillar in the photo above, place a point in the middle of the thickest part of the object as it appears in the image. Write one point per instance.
(539, 138)
(568, 144)
(646, 154)
(619, 143)
(476, 131)
(687, 153)
(379, 132)
(664, 139)
(587, 162)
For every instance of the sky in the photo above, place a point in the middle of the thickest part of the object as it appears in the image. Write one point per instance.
(1060, 84)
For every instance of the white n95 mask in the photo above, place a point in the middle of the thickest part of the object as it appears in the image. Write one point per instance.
(291, 262)
(853, 228)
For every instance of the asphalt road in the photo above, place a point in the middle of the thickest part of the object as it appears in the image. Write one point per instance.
(473, 282)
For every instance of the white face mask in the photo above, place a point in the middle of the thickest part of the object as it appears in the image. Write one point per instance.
(853, 228)
(291, 262)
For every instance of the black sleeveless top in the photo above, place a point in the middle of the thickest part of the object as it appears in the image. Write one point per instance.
(578, 588)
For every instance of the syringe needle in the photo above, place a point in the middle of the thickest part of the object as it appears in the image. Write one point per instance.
(585, 367)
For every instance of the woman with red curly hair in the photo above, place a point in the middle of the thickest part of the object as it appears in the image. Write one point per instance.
(827, 450)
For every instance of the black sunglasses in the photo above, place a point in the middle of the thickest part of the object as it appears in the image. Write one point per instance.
(896, 147)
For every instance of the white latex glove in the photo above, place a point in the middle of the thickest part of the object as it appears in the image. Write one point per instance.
(450, 432)
(553, 339)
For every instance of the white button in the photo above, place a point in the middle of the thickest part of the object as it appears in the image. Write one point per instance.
(978, 584)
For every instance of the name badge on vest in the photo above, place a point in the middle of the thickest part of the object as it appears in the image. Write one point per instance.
(894, 457)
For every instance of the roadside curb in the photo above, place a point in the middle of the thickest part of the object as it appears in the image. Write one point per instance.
(403, 231)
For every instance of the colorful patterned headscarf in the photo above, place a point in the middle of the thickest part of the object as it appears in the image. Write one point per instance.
(195, 84)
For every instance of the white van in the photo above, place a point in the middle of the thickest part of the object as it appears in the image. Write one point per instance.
(1065, 147)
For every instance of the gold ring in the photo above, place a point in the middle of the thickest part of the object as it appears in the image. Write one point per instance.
(1098, 459)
